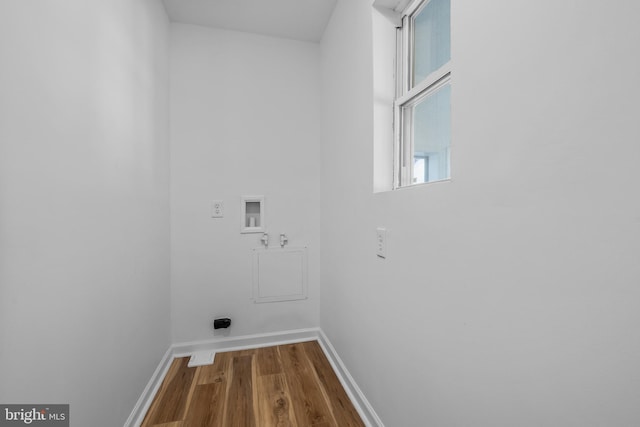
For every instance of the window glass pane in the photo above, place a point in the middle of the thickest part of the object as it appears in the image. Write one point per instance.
(432, 136)
(432, 39)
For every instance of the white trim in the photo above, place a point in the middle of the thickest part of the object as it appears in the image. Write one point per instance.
(396, 6)
(360, 402)
(413, 6)
(394, 17)
(246, 341)
(144, 402)
(430, 84)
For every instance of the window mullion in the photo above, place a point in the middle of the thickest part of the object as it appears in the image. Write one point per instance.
(398, 151)
(413, 6)
(410, 146)
(406, 55)
(431, 83)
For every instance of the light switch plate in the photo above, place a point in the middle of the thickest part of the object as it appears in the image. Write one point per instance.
(381, 242)
(217, 209)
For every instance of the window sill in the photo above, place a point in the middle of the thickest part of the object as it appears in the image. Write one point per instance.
(406, 187)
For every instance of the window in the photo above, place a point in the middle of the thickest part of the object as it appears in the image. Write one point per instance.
(422, 106)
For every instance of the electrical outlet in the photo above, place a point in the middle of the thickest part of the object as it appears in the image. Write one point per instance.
(217, 209)
(381, 242)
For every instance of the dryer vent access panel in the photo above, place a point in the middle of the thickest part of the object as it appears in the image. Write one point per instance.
(279, 274)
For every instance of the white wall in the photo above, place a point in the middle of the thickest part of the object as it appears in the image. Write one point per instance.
(510, 294)
(84, 206)
(244, 121)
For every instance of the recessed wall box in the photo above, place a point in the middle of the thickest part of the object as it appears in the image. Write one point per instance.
(253, 218)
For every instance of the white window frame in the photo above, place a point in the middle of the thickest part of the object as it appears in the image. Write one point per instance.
(407, 96)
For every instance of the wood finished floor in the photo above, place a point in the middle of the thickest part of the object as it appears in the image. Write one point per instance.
(283, 386)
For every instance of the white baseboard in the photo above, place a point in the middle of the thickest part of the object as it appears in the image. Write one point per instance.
(246, 341)
(360, 402)
(368, 415)
(144, 402)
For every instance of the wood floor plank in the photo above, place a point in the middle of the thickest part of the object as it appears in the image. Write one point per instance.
(247, 352)
(254, 388)
(307, 400)
(171, 402)
(339, 402)
(268, 361)
(207, 406)
(282, 386)
(218, 371)
(192, 388)
(239, 407)
(274, 409)
(151, 412)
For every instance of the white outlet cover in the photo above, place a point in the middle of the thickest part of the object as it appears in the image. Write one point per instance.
(217, 209)
(381, 242)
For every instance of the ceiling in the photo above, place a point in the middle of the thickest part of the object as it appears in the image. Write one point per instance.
(293, 19)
